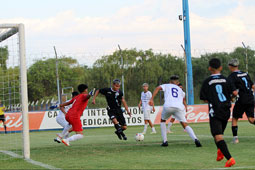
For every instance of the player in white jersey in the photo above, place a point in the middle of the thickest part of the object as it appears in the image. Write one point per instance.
(170, 123)
(60, 119)
(146, 108)
(173, 105)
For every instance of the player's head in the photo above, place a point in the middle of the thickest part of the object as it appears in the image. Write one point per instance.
(233, 64)
(83, 88)
(116, 84)
(75, 93)
(145, 86)
(215, 65)
(174, 79)
(180, 85)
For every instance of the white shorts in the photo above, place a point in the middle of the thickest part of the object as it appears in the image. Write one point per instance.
(172, 111)
(146, 114)
(61, 120)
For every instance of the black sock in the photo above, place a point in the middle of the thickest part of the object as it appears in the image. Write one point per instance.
(224, 149)
(118, 127)
(5, 128)
(234, 130)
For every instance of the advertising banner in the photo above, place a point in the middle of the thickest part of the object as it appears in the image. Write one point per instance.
(46, 120)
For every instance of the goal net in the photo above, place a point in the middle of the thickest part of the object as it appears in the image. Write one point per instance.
(14, 128)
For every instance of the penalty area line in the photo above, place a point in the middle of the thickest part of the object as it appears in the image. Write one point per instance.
(31, 161)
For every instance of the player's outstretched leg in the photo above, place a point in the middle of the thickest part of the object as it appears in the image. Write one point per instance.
(191, 134)
(145, 127)
(118, 130)
(234, 130)
(163, 133)
(153, 130)
(222, 146)
(75, 137)
(65, 132)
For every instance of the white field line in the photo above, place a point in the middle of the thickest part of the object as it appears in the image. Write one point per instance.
(12, 154)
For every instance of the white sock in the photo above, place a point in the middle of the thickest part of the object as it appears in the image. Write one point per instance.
(75, 137)
(145, 127)
(191, 132)
(163, 131)
(66, 136)
(153, 129)
(66, 130)
(169, 126)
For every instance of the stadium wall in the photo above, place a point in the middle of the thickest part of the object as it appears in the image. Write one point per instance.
(46, 120)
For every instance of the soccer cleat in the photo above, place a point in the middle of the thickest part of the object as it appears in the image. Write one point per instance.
(58, 140)
(197, 142)
(164, 144)
(169, 131)
(118, 134)
(230, 162)
(220, 155)
(59, 136)
(153, 132)
(66, 142)
(235, 141)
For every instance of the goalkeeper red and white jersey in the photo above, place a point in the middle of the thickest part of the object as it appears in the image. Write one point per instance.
(145, 98)
(173, 96)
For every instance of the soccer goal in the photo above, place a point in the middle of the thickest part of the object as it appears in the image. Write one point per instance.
(13, 93)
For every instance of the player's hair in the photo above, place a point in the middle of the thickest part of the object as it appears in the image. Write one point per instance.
(116, 81)
(174, 77)
(215, 63)
(82, 87)
(179, 84)
(145, 84)
(75, 93)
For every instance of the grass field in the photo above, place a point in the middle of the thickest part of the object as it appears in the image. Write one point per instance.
(100, 149)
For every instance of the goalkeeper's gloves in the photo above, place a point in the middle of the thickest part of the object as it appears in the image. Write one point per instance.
(54, 106)
(92, 92)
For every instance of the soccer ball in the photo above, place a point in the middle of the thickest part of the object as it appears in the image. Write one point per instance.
(139, 137)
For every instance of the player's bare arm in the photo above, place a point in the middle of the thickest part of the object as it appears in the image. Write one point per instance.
(94, 98)
(126, 106)
(139, 105)
(151, 102)
(62, 106)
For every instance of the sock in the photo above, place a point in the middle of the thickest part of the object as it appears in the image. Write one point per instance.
(224, 149)
(163, 131)
(118, 127)
(66, 136)
(191, 132)
(5, 128)
(66, 130)
(153, 129)
(75, 137)
(234, 130)
(169, 126)
(145, 127)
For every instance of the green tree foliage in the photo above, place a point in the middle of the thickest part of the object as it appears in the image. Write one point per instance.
(139, 67)
(4, 55)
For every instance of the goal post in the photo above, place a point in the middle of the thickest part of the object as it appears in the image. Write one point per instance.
(9, 31)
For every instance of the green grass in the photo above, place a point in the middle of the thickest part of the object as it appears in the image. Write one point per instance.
(100, 149)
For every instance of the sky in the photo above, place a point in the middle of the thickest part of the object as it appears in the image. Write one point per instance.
(91, 28)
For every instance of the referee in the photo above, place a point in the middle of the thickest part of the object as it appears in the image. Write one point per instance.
(114, 98)
(2, 117)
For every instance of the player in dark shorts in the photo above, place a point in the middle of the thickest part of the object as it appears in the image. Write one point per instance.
(245, 99)
(114, 98)
(217, 91)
